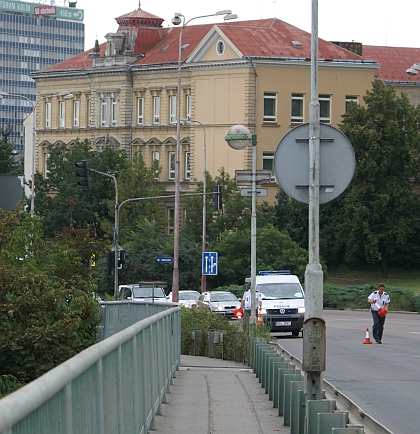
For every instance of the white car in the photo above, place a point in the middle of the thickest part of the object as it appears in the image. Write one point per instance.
(186, 298)
(143, 293)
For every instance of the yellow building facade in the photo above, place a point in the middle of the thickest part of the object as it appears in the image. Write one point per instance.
(255, 73)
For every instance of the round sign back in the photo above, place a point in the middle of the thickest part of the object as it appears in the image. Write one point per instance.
(337, 163)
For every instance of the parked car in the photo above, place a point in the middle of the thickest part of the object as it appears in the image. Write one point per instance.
(186, 298)
(154, 294)
(219, 302)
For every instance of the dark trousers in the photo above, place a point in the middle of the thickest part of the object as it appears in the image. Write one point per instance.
(378, 325)
(247, 313)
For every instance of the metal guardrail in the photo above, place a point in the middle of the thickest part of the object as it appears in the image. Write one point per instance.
(115, 386)
(281, 376)
(118, 315)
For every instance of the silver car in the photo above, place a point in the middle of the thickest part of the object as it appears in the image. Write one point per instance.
(219, 302)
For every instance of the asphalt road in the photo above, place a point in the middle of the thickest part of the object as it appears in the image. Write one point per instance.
(383, 380)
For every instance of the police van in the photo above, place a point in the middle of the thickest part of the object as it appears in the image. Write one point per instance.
(283, 300)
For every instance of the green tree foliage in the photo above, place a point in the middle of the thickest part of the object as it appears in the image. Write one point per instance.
(7, 160)
(275, 251)
(63, 203)
(291, 216)
(47, 310)
(146, 242)
(381, 207)
(235, 213)
(138, 181)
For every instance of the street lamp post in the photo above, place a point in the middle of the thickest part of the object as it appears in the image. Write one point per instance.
(203, 243)
(66, 95)
(239, 137)
(177, 20)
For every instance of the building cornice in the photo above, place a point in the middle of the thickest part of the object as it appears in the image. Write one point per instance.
(172, 67)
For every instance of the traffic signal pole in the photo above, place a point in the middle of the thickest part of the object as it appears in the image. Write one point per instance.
(116, 229)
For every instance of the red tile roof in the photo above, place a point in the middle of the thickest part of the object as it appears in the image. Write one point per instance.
(394, 62)
(257, 38)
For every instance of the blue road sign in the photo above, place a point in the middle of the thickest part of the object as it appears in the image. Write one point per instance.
(209, 264)
(164, 260)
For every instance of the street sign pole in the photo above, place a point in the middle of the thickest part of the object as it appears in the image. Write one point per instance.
(313, 273)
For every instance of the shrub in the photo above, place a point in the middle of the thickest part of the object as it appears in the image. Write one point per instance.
(196, 325)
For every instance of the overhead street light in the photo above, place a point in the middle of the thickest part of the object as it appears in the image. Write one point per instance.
(177, 20)
(67, 96)
(414, 69)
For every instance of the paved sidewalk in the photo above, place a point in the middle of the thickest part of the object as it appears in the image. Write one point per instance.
(212, 396)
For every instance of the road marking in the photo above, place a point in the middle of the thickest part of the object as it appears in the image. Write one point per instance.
(415, 333)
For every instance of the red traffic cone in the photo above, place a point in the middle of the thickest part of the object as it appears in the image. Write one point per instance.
(259, 317)
(367, 340)
(238, 313)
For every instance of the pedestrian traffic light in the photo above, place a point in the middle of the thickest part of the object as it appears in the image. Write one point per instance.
(217, 197)
(83, 172)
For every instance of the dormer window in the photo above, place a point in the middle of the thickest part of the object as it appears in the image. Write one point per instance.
(296, 44)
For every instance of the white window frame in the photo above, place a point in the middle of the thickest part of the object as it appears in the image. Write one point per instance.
(270, 97)
(62, 114)
(76, 113)
(268, 160)
(325, 100)
(188, 106)
(171, 220)
(114, 112)
(90, 112)
(298, 101)
(187, 165)
(155, 163)
(350, 98)
(156, 110)
(46, 165)
(172, 109)
(171, 165)
(140, 111)
(104, 110)
(47, 115)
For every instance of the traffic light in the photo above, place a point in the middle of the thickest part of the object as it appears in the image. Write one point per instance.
(108, 263)
(83, 172)
(217, 197)
(122, 257)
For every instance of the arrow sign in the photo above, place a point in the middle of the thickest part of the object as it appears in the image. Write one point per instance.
(247, 192)
(164, 260)
(209, 264)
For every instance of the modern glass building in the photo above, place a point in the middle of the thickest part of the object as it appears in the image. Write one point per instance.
(33, 36)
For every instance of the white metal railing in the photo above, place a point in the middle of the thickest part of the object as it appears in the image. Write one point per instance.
(115, 386)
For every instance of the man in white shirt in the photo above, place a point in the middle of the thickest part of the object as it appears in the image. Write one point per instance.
(247, 301)
(377, 300)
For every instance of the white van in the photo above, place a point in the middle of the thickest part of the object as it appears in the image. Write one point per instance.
(283, 300)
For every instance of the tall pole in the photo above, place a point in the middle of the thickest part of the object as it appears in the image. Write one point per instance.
(175, 275)
(203, 243)
(33, 158)
(313, 273)
(116, 230)
(176, 21)
(253, 319)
